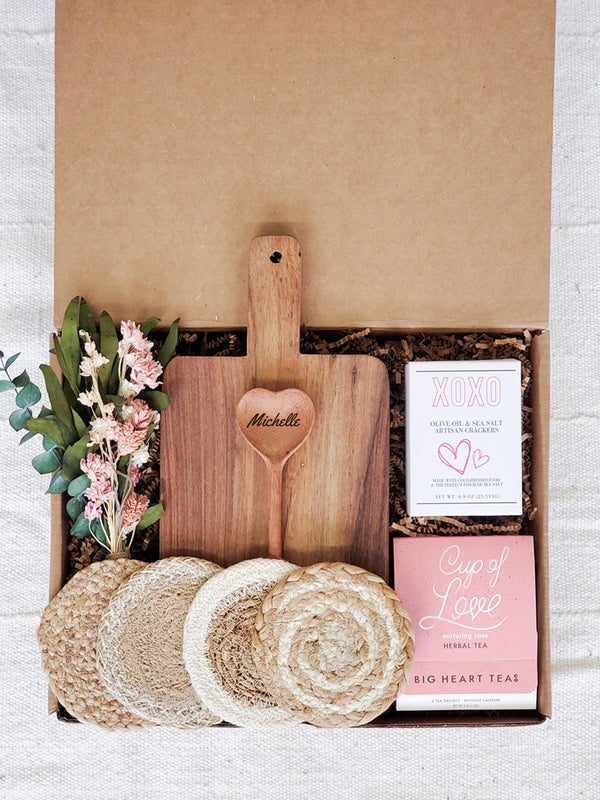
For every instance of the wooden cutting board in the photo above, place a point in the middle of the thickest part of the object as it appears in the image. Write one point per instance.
(214, 487)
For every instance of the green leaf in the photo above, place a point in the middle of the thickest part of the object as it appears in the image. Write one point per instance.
(81, 526)
(75, 506)
(46, 462)
(28, 396)
(80, 425)
(116, 399)
(58, 484)
(19, 418)
(22, 379)
(48, 428)
(97, 531)
(72, 457)
(27, 437)
(10, 361)
(79, 485)
(123, 463)
(170, 343)
(151, 515)
(109, 345)
(69, 342)
(6, 385)
(45, 412)
(60, 357)
(59, 403)
(156, 400)
(112, 386)
(86, 321)
(149, 325)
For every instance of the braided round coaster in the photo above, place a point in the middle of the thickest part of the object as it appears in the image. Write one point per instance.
(68, 635)
(217, 643)
(140, 642)
(334, 644)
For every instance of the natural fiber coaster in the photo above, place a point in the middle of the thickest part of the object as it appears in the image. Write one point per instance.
(217, 643)
(140, 642)
(68, 635)
(334, 644)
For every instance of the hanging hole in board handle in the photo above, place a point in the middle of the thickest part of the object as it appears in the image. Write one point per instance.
(275, 257)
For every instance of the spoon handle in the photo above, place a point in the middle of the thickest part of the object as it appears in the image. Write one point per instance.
(275, 500)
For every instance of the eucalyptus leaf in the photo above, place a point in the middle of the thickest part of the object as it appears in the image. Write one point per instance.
(79, 485)
(27, 437)
(46, 462)
(6, 385)
(72, 457)
(98, 532)
(151, 515)
(75, 506)
(22, 379)
(10, 361)
(19, 418)
(109, 345)
(69, 342)
(170, 343)
(58, 484)
(81, 526)
(149, 325)
(59, 403)
(49, 428)
(28, 396)
(156, 400)
(45, 412)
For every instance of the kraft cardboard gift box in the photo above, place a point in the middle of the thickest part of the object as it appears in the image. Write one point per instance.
(406, 145)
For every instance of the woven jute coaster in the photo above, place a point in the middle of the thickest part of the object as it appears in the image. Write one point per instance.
(333, 644)
(68, 636)
(217, 643)
(140, 642)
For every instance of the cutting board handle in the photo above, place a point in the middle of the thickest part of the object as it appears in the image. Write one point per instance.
(274, 287)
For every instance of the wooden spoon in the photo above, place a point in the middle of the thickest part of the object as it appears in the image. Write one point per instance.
(275, 424)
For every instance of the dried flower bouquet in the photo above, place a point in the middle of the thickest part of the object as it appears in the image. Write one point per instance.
(103, 414)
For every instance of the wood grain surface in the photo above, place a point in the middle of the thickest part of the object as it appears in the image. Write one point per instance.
(215, 487)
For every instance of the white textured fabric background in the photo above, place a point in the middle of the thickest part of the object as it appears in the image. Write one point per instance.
(42, 758)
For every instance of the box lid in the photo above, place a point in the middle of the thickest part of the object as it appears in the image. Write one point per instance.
(407, 145)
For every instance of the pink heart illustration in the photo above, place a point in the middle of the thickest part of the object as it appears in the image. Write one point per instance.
(457, 457)
(479, 458)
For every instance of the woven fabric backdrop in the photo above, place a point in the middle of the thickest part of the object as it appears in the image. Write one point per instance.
(43, 758)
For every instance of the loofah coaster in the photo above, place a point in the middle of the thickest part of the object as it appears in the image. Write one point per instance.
(140, 642)
(68, 635)
(334, 644)
(217, 643)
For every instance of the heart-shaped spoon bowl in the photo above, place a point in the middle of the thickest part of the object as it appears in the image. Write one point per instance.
(275, 424)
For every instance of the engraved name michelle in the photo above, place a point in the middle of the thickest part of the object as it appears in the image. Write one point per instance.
(291, 421)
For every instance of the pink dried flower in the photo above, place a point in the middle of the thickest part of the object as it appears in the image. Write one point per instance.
(129, 439)
(133, 339)
(134, 508)
(132, 433)
(93, 510)
(135, 475)
(145, 371)
(96, 468)
(100, 490)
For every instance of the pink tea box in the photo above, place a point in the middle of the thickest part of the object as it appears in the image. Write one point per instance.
(472, 603)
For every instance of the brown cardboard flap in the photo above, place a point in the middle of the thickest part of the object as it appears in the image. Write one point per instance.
(407, 145)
